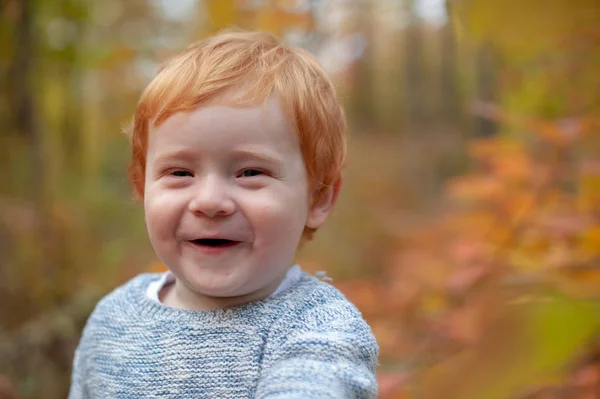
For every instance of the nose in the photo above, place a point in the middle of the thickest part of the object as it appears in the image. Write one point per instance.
(211, 198)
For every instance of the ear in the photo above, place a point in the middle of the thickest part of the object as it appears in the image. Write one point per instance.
(323, 201)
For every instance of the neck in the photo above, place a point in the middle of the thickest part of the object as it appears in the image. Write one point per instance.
(179, 296)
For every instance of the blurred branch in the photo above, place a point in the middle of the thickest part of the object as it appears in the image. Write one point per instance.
(22, 88)
(61, 325)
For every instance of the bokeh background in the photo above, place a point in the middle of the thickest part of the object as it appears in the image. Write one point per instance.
(468, 230)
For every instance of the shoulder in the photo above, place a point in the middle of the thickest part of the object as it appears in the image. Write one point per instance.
(317, 308)
(312, 298)
(320, 331)
(121, 301)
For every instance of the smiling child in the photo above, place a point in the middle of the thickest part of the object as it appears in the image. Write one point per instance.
(238, 145)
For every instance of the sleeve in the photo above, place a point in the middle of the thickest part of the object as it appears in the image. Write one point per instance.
(78, 386)
(80, 374)
(83, 383)
(331, 353)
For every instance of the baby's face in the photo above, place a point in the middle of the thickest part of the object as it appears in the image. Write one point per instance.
(226, 198)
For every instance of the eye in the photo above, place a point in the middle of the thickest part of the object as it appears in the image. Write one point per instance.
(181, 173)
(251, 173)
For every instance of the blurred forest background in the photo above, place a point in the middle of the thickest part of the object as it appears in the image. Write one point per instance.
(468, 231)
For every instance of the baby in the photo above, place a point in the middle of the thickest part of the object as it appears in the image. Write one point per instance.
(238, 145)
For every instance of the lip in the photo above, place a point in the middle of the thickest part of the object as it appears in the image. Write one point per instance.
(214, 250)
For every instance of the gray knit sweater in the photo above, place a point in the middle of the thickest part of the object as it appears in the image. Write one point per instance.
(307, 342)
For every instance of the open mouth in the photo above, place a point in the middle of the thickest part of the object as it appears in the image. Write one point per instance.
(215, 242)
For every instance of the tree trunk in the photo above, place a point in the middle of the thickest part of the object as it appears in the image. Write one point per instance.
(415, 69)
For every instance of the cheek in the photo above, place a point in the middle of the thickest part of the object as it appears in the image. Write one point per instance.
(162, 213)
(279, 220)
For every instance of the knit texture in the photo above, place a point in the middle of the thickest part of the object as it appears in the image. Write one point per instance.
(307, 342)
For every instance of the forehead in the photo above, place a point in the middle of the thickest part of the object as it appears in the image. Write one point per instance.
(225, 121)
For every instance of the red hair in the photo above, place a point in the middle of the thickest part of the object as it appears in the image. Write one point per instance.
(260, 64)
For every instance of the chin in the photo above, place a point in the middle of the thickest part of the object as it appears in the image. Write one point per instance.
(219, 290)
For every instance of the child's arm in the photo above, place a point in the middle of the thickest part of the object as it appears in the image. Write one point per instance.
(77, 390)
(329, 353)
(79, 374)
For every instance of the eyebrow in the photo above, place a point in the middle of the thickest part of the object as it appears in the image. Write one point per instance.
(258, 155)
(186, 154)
(182, 153)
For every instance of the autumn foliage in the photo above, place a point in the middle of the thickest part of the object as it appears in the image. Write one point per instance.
(521, 229)
(496, 296)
